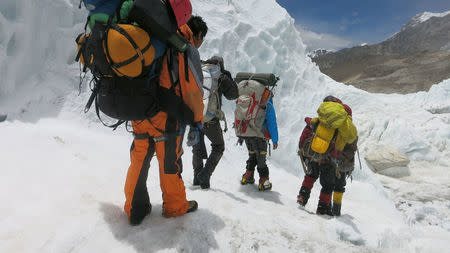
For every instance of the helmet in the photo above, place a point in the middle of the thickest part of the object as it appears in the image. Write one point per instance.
(182, 9)
(332, 99)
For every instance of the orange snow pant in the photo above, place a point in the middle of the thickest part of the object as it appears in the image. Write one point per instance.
(157, 134)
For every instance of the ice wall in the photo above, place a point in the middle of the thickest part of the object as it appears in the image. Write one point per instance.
(39, 77)
(36, 55)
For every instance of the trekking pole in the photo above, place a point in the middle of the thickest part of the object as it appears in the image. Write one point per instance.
(359, 159)
(300, 153)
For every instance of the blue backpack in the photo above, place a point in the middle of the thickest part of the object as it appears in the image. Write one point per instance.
(101, 6)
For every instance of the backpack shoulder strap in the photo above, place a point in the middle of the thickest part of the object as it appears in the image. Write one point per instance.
(172, 64)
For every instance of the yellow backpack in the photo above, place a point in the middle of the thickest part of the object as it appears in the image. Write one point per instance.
(322, 138)
(333, 127)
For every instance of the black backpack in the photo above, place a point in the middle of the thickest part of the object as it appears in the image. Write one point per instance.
(137, 98)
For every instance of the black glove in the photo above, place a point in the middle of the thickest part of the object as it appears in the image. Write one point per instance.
(226, 73)
(227, 86)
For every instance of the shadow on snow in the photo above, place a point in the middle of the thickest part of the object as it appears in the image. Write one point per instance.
(193, 232)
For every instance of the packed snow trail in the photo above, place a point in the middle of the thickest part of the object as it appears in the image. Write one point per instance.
(63, 182)
(72, 178)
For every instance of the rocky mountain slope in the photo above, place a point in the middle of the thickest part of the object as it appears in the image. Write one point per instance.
(412, 60)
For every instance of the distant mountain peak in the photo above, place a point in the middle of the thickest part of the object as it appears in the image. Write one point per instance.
(318, 52)
(423, 17)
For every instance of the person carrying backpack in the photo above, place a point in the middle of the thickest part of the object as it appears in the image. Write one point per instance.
(163, 134)
(346, 167)
(194, 31)
(255, 124)
(221, 83)
(145, 72)
(321, 147)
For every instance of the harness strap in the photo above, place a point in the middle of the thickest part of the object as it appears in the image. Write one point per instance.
(186, 69)
(174, 74)
(161, 138)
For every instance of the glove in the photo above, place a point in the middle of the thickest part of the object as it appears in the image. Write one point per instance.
(240, 141)
(227, 73)
(193, 137)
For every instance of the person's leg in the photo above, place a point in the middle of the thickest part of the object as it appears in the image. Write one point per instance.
(197, 161)
(263, 170)
(308, 182)
(261, 153)
(339, 189)
(248, 177)
(168, 151)
(327, 176)
(213, 131)
(137, 202)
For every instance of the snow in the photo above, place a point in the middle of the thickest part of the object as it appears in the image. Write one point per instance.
(423, 17)
(63, 172)
(427, 15)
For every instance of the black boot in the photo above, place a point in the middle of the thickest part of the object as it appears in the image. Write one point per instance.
(138, 215)
(303, 196)
(203, 178)
(196, 181)
(324, 209)
(336, 209)
(193, 206)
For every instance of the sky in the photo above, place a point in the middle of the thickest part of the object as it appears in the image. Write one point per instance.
(337, 24)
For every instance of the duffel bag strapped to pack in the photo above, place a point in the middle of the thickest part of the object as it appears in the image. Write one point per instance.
(157, 16)
(267, 79)
(128, 50)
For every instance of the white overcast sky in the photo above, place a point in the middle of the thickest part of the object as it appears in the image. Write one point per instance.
(315, 41)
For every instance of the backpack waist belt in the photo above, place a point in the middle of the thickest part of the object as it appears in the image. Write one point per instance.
(161, 138)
